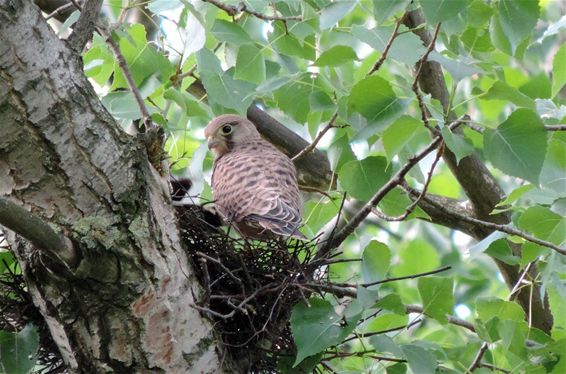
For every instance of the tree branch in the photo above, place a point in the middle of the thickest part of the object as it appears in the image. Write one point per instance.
(83, 29)
(313, 169)
(555, 127)
(243, 8)
(37, 232)
(395, 181)
(481, 187)
(490, 226)
(319, 136)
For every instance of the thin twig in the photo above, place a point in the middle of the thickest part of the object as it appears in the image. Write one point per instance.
(412, 308)
(319, 136)
(219, 263)
(243, 8)
(131, 83)
(413, 205)
(396, 180)
(388, 280)
(381, 332)
(395, 34)
(555, 127)
(476, 363)
(59, 11)
(493, 367)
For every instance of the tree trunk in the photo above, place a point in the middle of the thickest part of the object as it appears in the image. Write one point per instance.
(124, 305)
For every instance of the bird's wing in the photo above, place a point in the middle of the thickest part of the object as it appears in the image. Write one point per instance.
(259, 185)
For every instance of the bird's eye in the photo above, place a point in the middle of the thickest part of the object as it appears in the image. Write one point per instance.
(226, 130)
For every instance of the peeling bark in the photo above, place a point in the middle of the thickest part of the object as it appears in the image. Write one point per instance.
(126, 306)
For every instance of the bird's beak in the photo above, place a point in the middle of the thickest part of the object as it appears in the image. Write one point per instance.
(212, 142)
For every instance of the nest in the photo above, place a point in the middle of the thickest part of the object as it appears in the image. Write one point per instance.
(249, 287)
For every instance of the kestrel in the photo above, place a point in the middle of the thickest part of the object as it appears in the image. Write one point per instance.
(253, 183)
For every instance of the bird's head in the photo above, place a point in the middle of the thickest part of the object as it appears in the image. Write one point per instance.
(228, 130)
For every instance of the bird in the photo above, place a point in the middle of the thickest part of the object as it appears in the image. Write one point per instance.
(254, 185)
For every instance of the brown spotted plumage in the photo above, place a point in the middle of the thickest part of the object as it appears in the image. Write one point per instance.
(253, 183)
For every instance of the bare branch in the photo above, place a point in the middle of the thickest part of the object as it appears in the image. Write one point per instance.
(476, 363)
(37, 232)
(131, 83)
(411, 308)
(83, 29)
(555, 127)
(243, 8)
(414, 204)
(319, 136)
(62, 10)
(394, 36)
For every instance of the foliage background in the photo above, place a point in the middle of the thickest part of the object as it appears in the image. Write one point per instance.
(504, 64)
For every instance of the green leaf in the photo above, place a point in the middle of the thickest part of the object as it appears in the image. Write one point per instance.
(384, 9)
(375, 262)
(502, 91)
(287, 44)
(501, 250)
(142, 58)
(294, 97)
(514, 334)
(335, 12)
(420, 360)
(6, 260)
(428, 259)
(122, 104)
(553, 174)
(317, 327)
(437, 297)
(517, 19)
(387, 321)
(479, 13)
(400, 133)
(230, 32)
(393, 303)
(18, 351)
(490, 307)
(336, 55)
(250, 64)
(559, 70)
(396, 202)
(537, 87)
(340, 152)
(374, 98)
(544, 224)
(406, 48)
(518, 145)
(383, 343)
(457, 143)
(362, 179)
(440, 10)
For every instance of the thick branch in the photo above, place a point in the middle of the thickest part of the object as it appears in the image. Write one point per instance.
(83, 29)
(483, 191)
(37, 231)
(313, 168)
